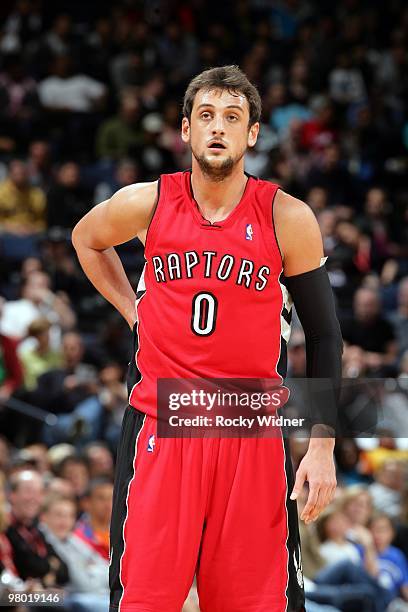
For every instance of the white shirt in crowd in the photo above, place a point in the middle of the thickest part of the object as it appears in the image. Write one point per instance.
(332, 552)
(17, 316)
(77, 93)
(88, 571)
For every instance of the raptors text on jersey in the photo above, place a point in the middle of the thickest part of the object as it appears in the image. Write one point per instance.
(210, 301)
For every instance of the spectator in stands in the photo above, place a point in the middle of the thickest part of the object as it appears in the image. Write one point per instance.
(152, 154)
(93, 526)
(128, 69)
(59, 40)
(67, 199)
(346, 83)
(357, 505)
(170, 136)
(285, 111)
(29, 265)
(64, 269)
(386, 448)
(33, 556)
(72, 102)
(88, 572)
(356, 544)
(36, 457)
(351, 257)
(369, 330)
(342, 581)
(11, 373)
(327, 220)
(118, 136)
(99, 48)
(152, 92)
(126, 173)
(42, 357)
(59, 487)
(317, 199)
(72, 383)
(99, 458)
(375, 224)
(39, 166)
(113, 396)
(67, 91)
(37, 300)
(22, 207)
(71, 392)
(388, 488)
(299, 84)
(57, 453)
(390, 69)
(17, 90)
(9, 579)
(392, 563)
(178, 52)
(329, 172)
(74, 469)
(332, 529)
(23, 23)
(348, 462)
(257, 159)
(318, 133)
(399, 318)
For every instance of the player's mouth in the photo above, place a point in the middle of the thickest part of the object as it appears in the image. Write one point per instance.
(216, 144)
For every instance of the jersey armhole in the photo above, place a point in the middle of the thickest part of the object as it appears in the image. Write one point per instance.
(151, 228)
(273, 224)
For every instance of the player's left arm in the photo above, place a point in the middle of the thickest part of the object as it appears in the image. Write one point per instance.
(301, 246)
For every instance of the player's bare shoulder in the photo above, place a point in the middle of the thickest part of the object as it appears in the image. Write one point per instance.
(124, 216)
(134, 206)
(290, 212)
(298, 234)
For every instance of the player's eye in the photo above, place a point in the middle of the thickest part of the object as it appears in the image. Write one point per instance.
(232, 118)
(205, 115)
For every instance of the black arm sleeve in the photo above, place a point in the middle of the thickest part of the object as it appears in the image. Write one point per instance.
(312, 296)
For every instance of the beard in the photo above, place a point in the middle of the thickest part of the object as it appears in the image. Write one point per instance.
(214, 170)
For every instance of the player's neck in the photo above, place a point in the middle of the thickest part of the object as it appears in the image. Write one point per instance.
(216, 199)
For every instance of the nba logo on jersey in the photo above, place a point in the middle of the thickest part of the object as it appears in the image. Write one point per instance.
(151, 444)
(249, 232)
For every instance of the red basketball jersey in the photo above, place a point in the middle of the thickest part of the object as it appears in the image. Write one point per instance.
(210, 302)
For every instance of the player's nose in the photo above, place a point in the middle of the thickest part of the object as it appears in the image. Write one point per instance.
(218, 125)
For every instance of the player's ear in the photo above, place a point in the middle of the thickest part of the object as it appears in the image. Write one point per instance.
(185, 130)
(253, 134)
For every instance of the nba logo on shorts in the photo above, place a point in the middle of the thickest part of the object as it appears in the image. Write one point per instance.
(151, 444)
(249, 232)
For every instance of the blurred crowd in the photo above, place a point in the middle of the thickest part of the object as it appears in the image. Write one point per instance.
(55, 508)
(90, 101)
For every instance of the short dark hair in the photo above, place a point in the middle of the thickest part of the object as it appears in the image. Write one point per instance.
(75, 458)
(95, 483)
(230, 78)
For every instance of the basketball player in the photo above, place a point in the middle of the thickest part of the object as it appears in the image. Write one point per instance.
(218, 244)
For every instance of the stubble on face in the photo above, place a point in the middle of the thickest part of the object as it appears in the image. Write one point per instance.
(214, 171)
